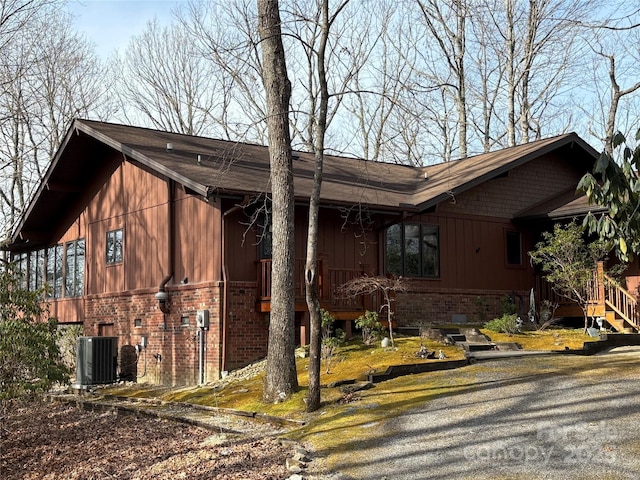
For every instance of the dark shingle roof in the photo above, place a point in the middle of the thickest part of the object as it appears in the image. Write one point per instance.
(231, 168)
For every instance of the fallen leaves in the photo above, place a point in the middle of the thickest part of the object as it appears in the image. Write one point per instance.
(50, 441)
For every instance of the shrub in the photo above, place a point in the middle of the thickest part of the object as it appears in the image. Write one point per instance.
(371, 327)
(331, 339)
(506, 324)
(30, 359)
(509, 306)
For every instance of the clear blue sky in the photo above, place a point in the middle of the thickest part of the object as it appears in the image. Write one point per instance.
(110, 23)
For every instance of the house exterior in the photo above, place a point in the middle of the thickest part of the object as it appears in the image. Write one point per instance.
(143, 234)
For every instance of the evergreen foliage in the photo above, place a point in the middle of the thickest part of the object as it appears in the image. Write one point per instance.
(30, 358)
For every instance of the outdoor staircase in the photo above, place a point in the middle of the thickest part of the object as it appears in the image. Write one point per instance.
(472, 340)
(621, 308)
(609, 300)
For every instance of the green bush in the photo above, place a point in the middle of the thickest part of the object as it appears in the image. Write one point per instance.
(509, 306)
(505, 324)
(331, 339)
(30, 358)
(371, 327)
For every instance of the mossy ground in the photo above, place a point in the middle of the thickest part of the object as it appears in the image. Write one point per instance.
(553, 339)
(353, 361)
(358, 415)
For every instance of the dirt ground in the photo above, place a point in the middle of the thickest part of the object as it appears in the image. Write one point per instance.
(48, 441)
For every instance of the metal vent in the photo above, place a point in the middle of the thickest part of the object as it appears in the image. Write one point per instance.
(97, 360)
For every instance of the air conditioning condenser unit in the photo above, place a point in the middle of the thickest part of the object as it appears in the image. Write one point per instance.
(97, 360)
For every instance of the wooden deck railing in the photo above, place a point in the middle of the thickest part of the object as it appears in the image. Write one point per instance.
(604, 293)
(621, 301)
(329, 281)
(264, 278)
(594, 290)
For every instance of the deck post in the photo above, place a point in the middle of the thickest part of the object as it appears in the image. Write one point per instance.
(600, 279)
(304, 329)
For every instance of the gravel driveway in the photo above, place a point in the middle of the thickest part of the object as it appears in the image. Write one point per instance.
(555, 417)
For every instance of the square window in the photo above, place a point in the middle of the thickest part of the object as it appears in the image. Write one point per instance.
(137, 322)
(413, 250)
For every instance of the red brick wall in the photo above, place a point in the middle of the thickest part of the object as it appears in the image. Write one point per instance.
(171, 357)
(178, 344)
(427, 305)
(247, 330)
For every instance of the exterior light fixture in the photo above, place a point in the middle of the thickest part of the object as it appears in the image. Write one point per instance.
(163, 298)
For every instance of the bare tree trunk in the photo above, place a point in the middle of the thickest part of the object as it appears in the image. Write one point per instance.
(511, 75)
(438, 22)
(311, 274)
(616, 95)
(281, 377)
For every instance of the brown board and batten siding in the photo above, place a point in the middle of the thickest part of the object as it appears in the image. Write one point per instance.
(136, 202)
(473, 228)
(343, 244)
(197, 241)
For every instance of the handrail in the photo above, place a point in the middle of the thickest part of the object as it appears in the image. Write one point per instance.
(602, 290)
(621, 301)
(546, 291)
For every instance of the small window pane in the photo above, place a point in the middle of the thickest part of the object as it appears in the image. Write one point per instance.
(74, 273)
(114, 246)
(514, 248)
(393, 260)
(70, 270)
(79, 278)
(54, 271)
(412, 250)
(430, 257)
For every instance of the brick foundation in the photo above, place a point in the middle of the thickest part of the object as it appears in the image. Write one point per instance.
(247, 330)
(419, 307)
(172, 353)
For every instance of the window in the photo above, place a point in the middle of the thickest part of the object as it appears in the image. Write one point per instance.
(55, 270)
(114, 246)
(514, 248)
(36, 269)
(265, 238)
(60, 266)
(74, 274)
(413, 250)
(21, 262)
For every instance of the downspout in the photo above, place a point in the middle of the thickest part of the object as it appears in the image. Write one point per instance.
(225, 282)
(162, 295)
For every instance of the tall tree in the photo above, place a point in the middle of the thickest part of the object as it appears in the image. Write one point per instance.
(446, 24)
(319, 125)
(46, 80)
(168, 83)
(225, 35)
(281, 377)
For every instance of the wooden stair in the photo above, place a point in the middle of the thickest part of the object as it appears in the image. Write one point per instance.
(609, 300)
(621, 308)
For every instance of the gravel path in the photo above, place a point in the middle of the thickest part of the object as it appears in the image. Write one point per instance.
(545, 417)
